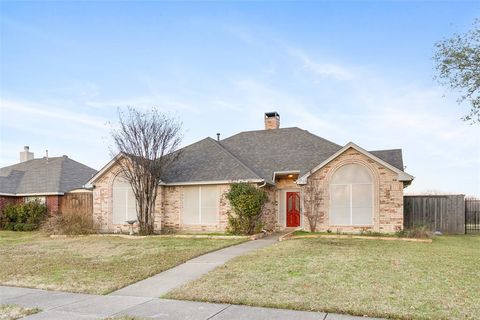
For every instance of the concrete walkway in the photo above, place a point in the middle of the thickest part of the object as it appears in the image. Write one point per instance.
(142, 298)
(72, 306)
(161, 283)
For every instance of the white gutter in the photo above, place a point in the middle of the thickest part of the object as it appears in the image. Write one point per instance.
(32, 194)
(194, 183)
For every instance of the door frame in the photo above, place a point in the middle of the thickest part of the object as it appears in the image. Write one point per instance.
(282, 206)
(295, 196)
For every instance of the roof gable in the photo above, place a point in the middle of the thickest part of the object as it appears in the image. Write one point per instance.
(402, 176)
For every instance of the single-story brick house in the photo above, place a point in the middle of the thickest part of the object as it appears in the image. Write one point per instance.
(43, 179)
(355, 189)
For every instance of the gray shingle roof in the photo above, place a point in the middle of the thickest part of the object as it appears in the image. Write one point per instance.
(57, 175)
(266, 151)
(207, 160)
(257, 155)
(393, 157)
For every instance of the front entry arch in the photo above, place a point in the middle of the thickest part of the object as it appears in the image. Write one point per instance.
(293, 209)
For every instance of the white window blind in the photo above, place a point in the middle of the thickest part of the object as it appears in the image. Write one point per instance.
(124, 201)
(351, 196)
(191, 205)
(41, 200)
(200, 205)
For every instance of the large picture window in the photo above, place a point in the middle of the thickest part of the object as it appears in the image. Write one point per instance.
(200, 205)
(124, 201)
(351, 196)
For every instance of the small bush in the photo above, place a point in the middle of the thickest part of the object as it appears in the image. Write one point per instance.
(247, 202)
(419, 232)
(23, 216)
(69, 224)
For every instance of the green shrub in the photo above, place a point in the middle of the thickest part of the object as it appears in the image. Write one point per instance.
(247, 202)
(419, 232)
(23, 216)
(68, 223)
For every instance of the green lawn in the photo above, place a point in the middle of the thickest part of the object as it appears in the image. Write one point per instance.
(13, 312)
(92, 264)
(399, 280)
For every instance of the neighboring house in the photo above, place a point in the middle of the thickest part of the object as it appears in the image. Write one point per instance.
(44, 179)
(356, 189)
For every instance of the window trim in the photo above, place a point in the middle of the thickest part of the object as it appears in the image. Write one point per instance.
(125, 191)
(350, 188)
(200, 222)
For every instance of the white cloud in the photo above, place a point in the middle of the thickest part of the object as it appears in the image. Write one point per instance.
(328, 69)
(84, 137)
(163, 101)
(40, 111)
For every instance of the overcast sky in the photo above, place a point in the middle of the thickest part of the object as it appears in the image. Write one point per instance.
(358, 72)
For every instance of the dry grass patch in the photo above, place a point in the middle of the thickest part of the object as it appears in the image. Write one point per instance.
(92, 264)
(12, 312)
(398, 280)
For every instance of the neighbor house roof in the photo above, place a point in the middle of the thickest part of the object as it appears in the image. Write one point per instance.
(55, 175)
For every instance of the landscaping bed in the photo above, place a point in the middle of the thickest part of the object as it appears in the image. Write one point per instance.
(93, 264)
(367, 236)
(389, 279)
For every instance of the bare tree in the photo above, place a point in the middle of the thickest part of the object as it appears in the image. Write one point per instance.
(145, 143)
(312, 198)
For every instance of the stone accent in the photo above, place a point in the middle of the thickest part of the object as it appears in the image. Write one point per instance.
(270, 211)
(388, 194)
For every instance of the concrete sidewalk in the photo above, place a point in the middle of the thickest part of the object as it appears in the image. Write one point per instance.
(72, 306)
(161, 283)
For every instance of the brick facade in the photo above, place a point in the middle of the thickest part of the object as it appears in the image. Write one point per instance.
(388, 194)
(6, 200)
(103, 205)
(388, 201)
(270, 210)
(52, 203)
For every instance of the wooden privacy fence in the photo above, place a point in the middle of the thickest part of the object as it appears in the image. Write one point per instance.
(76, 202)
(445, 213)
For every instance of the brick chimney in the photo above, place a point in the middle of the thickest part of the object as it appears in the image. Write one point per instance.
(272, 120)
(26, 155)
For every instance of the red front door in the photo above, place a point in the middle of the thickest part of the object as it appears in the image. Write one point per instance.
(293, 209)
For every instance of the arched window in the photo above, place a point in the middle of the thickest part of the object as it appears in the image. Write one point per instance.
(351, 196)
(124, 202)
